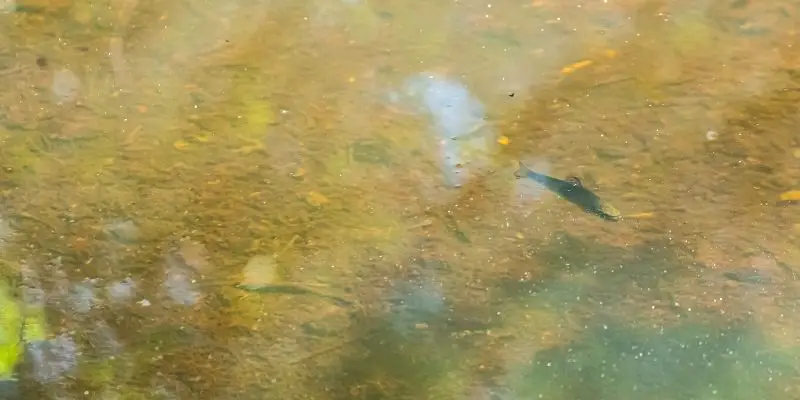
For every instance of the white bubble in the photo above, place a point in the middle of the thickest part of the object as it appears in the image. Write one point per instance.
(66, 86)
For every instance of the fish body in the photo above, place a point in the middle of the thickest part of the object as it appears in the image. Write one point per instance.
(573, 191)
(291, 288)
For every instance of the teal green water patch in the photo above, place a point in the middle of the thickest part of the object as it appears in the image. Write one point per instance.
(690, 361)
(621, 352)
(573, 270)
(423, 347)
(392, 364)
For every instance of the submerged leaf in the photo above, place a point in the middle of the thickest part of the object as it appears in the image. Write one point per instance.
(792, 195)
(576, 66)
(316, 199)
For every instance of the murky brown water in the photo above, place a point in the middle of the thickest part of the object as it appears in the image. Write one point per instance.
(366, 151)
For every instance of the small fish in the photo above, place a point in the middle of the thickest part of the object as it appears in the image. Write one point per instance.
(573, 191)
(292, 288)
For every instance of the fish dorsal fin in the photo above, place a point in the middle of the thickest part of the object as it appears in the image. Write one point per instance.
(574, 181)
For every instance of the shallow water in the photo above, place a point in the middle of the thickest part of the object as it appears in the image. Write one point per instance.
(366, 149)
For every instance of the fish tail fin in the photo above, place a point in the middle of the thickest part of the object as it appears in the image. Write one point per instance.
(522, 171)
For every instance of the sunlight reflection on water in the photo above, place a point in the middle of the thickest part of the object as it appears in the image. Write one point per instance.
(415, 303)
(457, 124)
(51, 359)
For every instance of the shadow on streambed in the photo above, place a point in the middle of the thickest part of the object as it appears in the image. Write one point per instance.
(428, 345)
(619, 349)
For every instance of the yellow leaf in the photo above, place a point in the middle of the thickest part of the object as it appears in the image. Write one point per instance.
(792, 195)
(316, 199)
(641, 215)
(574, 67)
(202, 137)
(299, 173)
(251, 148)
(503, 140)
